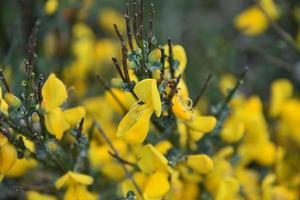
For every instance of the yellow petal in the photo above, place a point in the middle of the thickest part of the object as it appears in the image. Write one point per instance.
(147, 91)
(71, 178)
(179, 55)
(8, 157)
(227, 83)
(164, 146)
(228, 189)
(154, 55)
(54, 93)
(56, 123)
(232, 130)
(201, 163)
(126, 99)
(281, 91)
(150, 160)
(203, 123)
(157, 185)
(74, 115)
(134, 126)
(181, 109)
(21, 167)
(33, 195)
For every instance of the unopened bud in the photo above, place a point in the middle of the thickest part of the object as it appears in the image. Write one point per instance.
(116, 82)
(51, 146)
(35, 117)
(12, 100)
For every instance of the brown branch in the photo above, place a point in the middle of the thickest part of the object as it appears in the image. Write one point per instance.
(127, 19)
(115, 151)
(203, 89)
(150, 33)
(121, 159)
(4, 81)
(171, 59)
(173, 89)
(115, 61)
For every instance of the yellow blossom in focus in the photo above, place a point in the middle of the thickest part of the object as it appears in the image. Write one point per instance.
(54, 95)
(134, 126)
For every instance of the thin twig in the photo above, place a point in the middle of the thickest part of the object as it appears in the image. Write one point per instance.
(203, 89)
(150, 32)
(171, 59)
(121, 159)
(279, 30)
(115, 61)
(4, 81)
(115, 151)
(162, 60)
(174, 89)
(232, 92)
(135, 22)
(127, 19)
(79, 129)
(141, 27)
(108, 88)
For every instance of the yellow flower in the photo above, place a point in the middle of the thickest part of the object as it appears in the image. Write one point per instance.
(51, 7)
(33, 195)
(151, 160)
(233, 130)
(253, 20)
(135, 125)
(107, 16)
(227, 83)
(192, 131)
(229, 189)
(200, 163)
(147, 91)
(8, 156)
(101, 160)
(21, 167)
(157, 185)
(57, 121)
(182, 107)
(76, 186)
(179, 55)
(126, 99)
(281, 91)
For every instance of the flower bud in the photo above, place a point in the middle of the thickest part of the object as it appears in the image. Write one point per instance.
(35, 117)
(116, 82)
(12, 100)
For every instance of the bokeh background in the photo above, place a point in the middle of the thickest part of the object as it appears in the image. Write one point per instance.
(204, 27)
